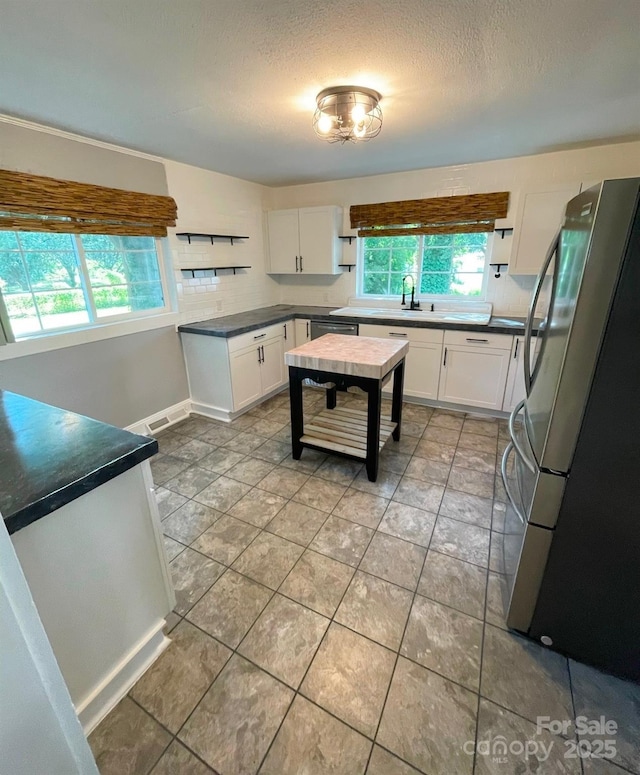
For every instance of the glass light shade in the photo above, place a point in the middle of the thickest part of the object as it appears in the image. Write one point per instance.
(347, 113)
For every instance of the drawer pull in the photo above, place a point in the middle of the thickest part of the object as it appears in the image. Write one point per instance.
(392, 334)
(259, 336)
(484, 341)
(444, 363)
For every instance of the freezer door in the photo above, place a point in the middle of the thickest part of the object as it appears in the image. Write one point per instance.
(534, 499)
(591, 247)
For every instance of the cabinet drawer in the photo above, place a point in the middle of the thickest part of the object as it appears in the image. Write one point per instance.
(479, 339)
(259, 336)
(411, 334)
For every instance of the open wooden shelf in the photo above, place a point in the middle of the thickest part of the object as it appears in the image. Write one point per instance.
(214, 269)
(190, 234)
(344, 430)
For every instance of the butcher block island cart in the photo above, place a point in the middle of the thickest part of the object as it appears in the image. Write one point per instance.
(347, 361)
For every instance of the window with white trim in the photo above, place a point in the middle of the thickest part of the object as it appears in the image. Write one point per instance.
(451, 266)
(53, 282)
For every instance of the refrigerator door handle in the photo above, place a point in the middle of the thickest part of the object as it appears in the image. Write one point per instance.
(514, 439)
(505, 481)
(528, 328)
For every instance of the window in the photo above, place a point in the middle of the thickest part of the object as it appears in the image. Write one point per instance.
(446, 265)
(56, 281)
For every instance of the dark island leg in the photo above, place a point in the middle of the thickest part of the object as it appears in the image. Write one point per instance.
(295, 399)
(332, 395)
(396, 401)
(374, 403)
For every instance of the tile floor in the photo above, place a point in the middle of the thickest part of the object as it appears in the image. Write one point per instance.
(327, 624)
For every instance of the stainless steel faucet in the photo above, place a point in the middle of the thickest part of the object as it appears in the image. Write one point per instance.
(413, 304)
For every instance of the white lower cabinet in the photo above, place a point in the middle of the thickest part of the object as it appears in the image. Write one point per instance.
(515, 390)
(303, 331)
(246, 382)
(272, 368)
(474, 369)
(228, 375)
(422, 364)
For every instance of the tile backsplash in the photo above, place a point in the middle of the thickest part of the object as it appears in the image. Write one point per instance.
(206, 295)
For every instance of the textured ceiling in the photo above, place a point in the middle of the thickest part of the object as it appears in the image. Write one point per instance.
(230, 84)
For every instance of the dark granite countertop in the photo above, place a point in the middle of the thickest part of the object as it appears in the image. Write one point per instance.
(49, 457)
(233, 325)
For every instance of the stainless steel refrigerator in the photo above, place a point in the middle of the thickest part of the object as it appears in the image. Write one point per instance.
(571, 542)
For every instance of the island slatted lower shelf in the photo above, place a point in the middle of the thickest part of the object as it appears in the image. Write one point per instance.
(344, 430)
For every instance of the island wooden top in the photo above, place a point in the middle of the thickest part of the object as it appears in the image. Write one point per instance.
(359, 356)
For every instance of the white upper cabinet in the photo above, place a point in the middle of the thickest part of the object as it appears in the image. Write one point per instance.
(304, 241)
(284, 242)
(538, 218)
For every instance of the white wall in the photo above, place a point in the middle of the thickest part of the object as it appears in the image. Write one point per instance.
(39, 730)
(209, 202)
(510, 295)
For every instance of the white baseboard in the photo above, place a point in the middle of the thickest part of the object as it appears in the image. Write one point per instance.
(167, 417)
(216, 413)
(161, 420)
(115, 686)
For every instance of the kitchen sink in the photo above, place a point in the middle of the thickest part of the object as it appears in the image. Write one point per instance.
(479, 314)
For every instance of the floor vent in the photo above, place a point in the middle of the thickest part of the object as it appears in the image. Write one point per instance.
(156, 424)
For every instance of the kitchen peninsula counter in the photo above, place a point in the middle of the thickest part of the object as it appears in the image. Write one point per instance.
(49, 457)
(242, 322)
(78, 499)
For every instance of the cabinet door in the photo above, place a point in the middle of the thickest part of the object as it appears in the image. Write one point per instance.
(303, 331)
(284, 242)
(288, 335)
(474, 376)
(246, 383)
(539, 216)
(515, 390)
(422, 370)
(272, 369)
(318, 240)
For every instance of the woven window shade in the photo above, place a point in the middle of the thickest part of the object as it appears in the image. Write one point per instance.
(438, 215)
(35, 203)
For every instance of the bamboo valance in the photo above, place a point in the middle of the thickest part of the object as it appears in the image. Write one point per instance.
(35, 203)
(437, 215)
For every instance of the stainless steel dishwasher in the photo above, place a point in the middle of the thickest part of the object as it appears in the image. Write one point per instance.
(322, 327)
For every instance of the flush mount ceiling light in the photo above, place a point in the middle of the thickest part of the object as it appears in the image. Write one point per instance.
(347, 113)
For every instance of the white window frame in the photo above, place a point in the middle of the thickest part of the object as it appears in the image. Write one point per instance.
(360, 295)
(100, 323)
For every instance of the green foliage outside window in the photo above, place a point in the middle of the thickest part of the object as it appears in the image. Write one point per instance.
(442, 264)
(45, 283)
